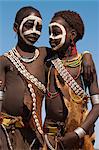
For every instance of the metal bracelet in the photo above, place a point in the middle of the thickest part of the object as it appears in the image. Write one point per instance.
(95, 99)
(1, 95)
(80, 132)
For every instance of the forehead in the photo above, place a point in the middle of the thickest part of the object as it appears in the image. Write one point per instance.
(30, 18)
(35, 14)
(31, 13)
(60, 21)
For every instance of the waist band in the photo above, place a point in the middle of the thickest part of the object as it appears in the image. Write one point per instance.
(8, 120)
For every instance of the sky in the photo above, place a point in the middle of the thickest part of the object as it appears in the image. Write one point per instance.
(88, 10)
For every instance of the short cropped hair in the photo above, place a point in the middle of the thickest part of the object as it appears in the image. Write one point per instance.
(24, 12)
(74, 20)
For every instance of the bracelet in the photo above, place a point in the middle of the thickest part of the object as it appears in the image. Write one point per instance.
(1, 95)
(80, 132)
(95, 99)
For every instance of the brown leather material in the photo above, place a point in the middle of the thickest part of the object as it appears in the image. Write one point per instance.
(76, 113)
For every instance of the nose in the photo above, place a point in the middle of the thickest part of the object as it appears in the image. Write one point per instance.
(52, 41)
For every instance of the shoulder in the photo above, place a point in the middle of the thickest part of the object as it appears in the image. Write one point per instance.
(45, 52)
(87, 59)
(42, 50)
(87, 54)
(4, 61)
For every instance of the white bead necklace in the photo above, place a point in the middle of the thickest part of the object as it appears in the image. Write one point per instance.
(27, 60)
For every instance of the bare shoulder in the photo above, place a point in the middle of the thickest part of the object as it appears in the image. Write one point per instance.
(44, 51)
(87, 57)
(4, 61)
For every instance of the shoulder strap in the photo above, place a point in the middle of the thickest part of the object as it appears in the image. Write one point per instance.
(68, 78)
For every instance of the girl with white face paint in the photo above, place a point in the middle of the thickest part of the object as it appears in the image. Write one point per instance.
(67, 121)
(61, 36)
(22, 85)
(34, 25)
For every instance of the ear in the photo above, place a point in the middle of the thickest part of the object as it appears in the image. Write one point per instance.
(15, 27)
(73, 34)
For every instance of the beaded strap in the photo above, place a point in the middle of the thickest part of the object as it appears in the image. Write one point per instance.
(21, 68)
(33, 95)
(68, 78)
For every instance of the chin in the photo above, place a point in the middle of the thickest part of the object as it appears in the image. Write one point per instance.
(54, 49)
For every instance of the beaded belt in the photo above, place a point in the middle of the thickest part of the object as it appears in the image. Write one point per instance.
(54, 129)
(8, 120)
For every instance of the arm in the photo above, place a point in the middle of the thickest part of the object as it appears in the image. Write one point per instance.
(87, 65)
(70, 139)
(48, 54)
(94, 93)
(2, 80)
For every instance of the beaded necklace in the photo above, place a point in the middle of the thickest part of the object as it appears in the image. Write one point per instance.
(51, 95)
(24, 59)
(75, 62)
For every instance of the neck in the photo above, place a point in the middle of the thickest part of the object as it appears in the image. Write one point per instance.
(25, 47)
(70, 52)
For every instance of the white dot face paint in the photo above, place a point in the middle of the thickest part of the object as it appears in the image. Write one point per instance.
(32, 30)
(60, 36)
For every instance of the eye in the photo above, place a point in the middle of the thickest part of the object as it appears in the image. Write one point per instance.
(56, 33)
(29, 24)
(39, 27)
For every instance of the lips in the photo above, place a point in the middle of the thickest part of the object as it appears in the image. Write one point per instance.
(53, 44)
(32, 36)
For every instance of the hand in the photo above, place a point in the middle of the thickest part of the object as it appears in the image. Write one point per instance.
(1, 118)
(69, 140)
(88, 67)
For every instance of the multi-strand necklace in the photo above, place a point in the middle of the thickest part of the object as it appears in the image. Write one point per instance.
(73, 63)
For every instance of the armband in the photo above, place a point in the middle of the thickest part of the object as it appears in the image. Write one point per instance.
(80, 132)
(1, 95)
(95, 99)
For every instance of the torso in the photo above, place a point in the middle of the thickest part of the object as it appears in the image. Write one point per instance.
(56, 109)
(16, 85)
